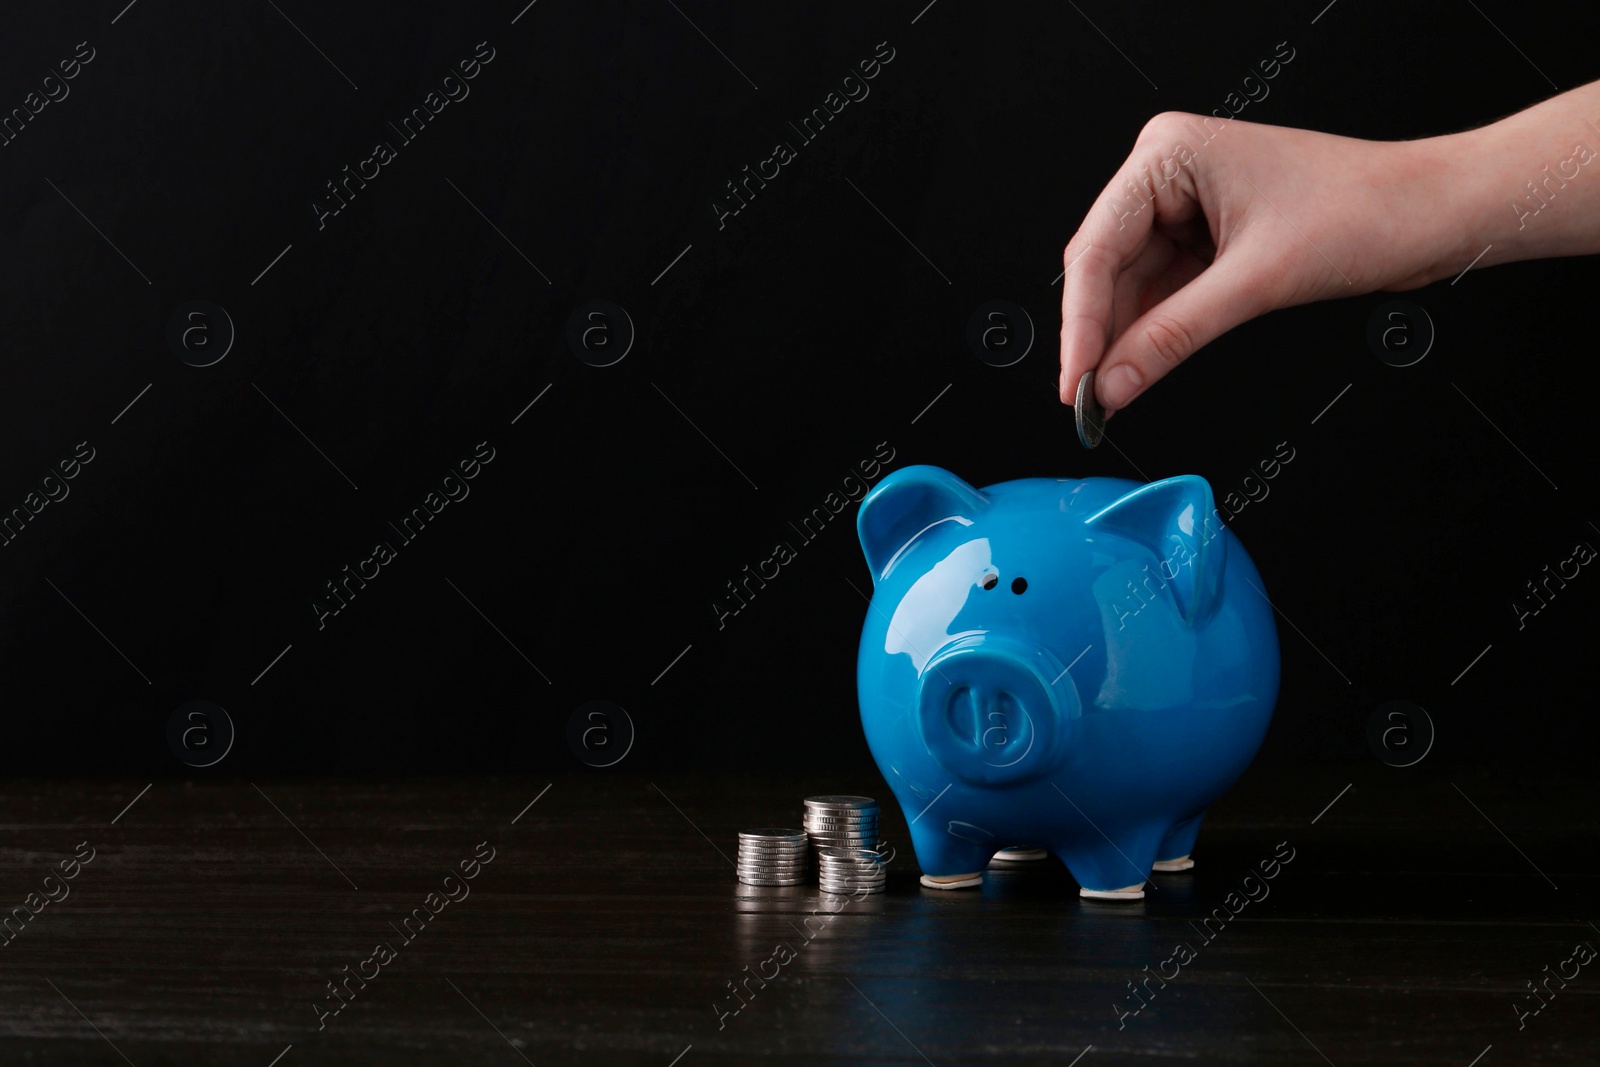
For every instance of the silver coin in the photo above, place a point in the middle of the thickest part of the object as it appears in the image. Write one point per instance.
(852, 876)
(771, 833)
(796, 849)
(775, 877)
(745, 875)
(746, 850)
(841, 801)
(768, 850)
(1091, 417)
(747, 864)
(771, 865)
(848, 856)
(849, 890)
(815, 818)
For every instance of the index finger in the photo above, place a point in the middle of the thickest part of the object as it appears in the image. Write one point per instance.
(1113, 233)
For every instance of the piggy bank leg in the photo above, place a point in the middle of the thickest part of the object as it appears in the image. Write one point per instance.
(1173, 855)
(948, 862)
(1112, 871)
(1020, 854)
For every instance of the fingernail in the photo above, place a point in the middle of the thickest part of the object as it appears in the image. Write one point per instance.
(1119, 385)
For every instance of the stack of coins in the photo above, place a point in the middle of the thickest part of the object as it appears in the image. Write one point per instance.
(842, 822)
(772, 856)
(847, 871)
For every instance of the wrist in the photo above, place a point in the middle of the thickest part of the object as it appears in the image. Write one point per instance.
(1446, 202)
(1522, 188)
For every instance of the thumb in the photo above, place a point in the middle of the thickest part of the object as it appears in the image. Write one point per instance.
(1216, 300)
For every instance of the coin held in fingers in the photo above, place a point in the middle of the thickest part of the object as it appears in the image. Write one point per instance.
(1090, 415)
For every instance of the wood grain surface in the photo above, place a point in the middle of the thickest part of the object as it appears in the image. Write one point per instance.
(608, 928)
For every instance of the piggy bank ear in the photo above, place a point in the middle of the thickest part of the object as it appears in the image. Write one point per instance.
(908, 503)
(1174, 519)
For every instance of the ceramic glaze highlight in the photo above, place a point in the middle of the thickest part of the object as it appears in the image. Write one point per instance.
(1081, 665)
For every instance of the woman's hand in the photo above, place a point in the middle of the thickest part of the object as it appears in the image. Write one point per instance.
(1196, 236)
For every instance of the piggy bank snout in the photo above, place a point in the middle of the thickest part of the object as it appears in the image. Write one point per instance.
(991, 710)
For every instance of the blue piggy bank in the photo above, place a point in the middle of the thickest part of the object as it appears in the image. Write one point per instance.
(1079, 665)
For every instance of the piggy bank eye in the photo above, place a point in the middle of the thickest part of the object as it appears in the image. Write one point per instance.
(990, 581)
(1019, 585)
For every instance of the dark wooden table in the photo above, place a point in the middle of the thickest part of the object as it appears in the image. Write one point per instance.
(608, 926)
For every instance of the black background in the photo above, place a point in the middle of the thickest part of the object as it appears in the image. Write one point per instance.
(797, 338)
